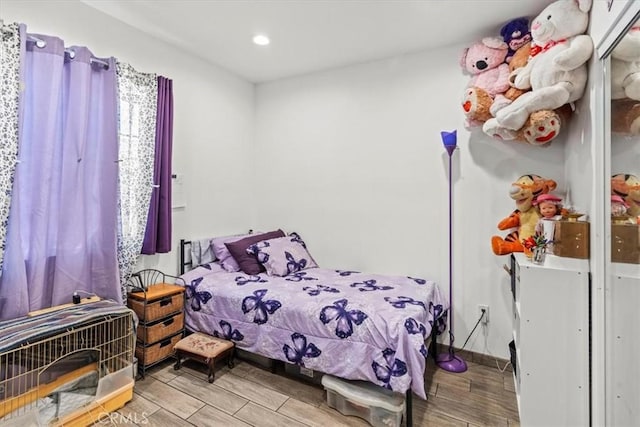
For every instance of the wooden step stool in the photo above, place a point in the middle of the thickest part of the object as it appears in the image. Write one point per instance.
(204, 349)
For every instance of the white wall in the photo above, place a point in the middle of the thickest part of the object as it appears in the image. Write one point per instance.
(350, 158)
(213, 115)
(366, 178)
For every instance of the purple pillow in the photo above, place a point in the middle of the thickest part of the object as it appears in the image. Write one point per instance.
(283, 256)
(247, 262)
(222, 253)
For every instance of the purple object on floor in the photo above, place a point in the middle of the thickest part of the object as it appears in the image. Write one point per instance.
(450, 362)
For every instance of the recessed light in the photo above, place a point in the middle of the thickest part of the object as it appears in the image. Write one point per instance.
(261, 40)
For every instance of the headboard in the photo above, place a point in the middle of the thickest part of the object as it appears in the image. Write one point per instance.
(183, 258)
(185, 254)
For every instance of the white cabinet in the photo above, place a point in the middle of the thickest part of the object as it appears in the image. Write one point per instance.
(551, 335)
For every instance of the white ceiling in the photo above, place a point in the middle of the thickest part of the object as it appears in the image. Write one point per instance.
(313, 35)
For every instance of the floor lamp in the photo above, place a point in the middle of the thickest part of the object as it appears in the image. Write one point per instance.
(449, 361)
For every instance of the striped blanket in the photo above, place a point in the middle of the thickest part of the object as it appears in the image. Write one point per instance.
(26, 330)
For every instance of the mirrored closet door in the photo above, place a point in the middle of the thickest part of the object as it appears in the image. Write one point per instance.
(622, 209)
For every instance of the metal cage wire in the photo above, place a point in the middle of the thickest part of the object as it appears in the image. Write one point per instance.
(38, 369)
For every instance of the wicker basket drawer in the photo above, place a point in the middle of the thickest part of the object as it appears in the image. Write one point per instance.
(156, 331)
(153, 353)
(157, 309)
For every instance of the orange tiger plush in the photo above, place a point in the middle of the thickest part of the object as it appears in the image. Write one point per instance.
(628, 187)
(525, 217)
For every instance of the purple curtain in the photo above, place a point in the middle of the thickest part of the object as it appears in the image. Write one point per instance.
(157, 237)
(63, 218)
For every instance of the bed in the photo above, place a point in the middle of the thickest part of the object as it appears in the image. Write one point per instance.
(353, 325)
(349, 324)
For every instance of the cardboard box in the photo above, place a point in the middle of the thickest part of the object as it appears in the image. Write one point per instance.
(625, 243)
(571, 239)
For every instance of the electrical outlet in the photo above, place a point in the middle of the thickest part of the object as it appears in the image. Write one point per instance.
(485, 319)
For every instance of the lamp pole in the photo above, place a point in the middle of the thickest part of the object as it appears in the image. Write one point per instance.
(449, 361)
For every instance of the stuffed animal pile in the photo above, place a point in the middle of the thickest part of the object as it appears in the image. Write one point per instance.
(625, 83)
(542, 83)
(524, 219)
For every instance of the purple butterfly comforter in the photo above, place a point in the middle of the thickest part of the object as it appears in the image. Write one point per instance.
(349, 324)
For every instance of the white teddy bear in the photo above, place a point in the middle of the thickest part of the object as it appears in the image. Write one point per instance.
(625, 84)
(557, 70)
(625, 66)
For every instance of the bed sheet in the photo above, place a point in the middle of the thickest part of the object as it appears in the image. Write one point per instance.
(349, 324)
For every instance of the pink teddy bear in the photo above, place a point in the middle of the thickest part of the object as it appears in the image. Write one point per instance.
(485, 61)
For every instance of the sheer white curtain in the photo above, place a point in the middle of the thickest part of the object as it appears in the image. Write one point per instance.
(138, 103)
(11, 46)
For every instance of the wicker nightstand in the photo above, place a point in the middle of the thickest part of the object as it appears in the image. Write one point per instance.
(160, 308)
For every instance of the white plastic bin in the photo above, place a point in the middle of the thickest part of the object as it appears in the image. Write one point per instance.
(379, 406)
(115, 381)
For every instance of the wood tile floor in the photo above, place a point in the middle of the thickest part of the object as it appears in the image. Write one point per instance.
(250, 395)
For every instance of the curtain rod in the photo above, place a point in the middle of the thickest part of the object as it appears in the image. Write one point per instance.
(42, 43)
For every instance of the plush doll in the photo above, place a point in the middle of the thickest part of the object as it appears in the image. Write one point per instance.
(625, 84)
(549, 206)
(476, 105)
(524, 192)
(540, 128)
(618, 206)
(490, 75)
(543, 126)
(515, 34)
(557, 70)
(519, 59)
(627, 186)
(485, 62)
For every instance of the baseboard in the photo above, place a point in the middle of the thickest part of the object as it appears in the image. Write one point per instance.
(482, 359)
(470, 356)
